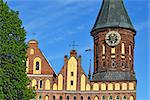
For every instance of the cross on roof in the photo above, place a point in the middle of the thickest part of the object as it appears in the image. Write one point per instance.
(73, 45)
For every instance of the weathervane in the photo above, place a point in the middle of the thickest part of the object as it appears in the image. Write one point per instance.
(73, 45)
(90, 51)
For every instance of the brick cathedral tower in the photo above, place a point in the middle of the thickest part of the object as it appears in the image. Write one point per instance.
(113, 35)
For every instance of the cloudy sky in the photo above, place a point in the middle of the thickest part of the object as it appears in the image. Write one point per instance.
(56, 23)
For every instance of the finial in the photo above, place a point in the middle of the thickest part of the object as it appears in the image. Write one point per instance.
(73, 45)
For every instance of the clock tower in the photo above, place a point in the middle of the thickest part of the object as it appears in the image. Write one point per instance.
(113, 35)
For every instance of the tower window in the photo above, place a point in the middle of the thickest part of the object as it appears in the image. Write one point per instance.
(130, 50)
(71, 73)
(96, 65)
(123, 48)
(71, 82)
(103, 47)
(113, 64)
(37, 65)
(113, 50)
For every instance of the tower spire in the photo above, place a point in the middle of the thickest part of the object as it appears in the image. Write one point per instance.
(113, 14)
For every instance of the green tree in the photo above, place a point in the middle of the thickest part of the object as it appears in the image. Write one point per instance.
(13, 77)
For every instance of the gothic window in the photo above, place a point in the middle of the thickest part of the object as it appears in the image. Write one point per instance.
(103, 86)
(131, 98)
(117, 98)
(60, 98)
(89, 98)
(67, 98)
(71, 82)
(37, 65)
(81, 98)
(103, 98)
(54, 98)
(117, 86)
(46, 97)
(40, 84)
(103, 64)
(113, 50)
(122, 48)
(124, 98)
(40, 97)
(130, 50)
(96, 65)
(110, 86)
(75, 98)
(124, 86)
(103, 48)
(110, 98)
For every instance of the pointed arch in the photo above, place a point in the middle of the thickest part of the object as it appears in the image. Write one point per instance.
(34, 83)
(96, 98)
(96, 86)
(46, 97)
(88, 87)
(117, 86)
(55, 86)
(37, 65)
(124, 86)
(60, 82)
(103, 86)
(47, 84)
(131, 98)
(110, 86)
(82, 83)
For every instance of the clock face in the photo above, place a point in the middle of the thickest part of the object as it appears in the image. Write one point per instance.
(112, 38)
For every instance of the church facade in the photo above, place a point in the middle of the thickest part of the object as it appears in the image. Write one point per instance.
(113, 77)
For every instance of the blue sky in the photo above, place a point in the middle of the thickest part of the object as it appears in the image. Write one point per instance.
(56, 23)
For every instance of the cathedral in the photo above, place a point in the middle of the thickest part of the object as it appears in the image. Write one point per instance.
(113, 77)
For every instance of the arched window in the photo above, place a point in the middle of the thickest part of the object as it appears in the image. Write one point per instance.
(75, 98)
(103, 86)
(96, 98)
(103, 98)
(37, 65)
(40, 97)
(60, 98)
(110, 86)
(122, 48)
(117, 86)
(46, 97)
(110, 98)
(67, 98)
(124, 86)
(34, 83)
(53, 97)
(47, 84)
(81, 98)
(103, 46)
(124, 98)
(117, 98)
(131, 98)
(89, 98)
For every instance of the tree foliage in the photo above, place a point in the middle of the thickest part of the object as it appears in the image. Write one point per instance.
(13, 77)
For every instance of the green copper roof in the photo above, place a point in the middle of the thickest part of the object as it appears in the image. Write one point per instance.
(113, 14)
